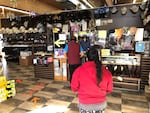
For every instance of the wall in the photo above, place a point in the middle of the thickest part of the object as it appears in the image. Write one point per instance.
(119, 20)
(127, 20)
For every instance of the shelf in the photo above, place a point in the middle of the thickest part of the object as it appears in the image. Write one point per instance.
(120, 64)
(17, 45)
(145, 69)
(121, 60)
(43, 71)
(43, 53)
(127, 83)
(122, 56)
(128, 78)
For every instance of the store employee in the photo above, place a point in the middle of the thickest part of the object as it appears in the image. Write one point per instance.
(73, 52)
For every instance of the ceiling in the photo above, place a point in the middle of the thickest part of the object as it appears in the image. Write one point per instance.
(49, 6)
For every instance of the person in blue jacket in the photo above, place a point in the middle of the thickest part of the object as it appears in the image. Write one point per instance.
(85, 43)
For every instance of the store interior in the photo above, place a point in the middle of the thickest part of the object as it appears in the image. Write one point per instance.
(34, 73)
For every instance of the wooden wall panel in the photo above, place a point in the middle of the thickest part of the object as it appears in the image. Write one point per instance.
(31, 5)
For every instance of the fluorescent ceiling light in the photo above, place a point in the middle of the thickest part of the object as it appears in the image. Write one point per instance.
(87, 3)
(77, 2)
(144, 0)
(17, 10)
(134, 1)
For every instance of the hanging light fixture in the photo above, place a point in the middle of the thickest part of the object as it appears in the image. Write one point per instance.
(87, 3)
(17, 10)
(134, 1)
(77, 2)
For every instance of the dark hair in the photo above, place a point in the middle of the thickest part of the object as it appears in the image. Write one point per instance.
(73, 38)
(93, 55)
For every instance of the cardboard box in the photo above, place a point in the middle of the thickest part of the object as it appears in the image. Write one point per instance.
(26, 61)
(58, 78)
(64, 78)
(60, 69)
(25, 53)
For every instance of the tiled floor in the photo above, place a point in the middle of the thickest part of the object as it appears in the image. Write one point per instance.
(56, 96)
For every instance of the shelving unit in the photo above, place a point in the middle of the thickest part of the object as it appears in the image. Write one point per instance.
(145, 69)
(42, 70)
(122, 81)
(14, 43)
(132, 84)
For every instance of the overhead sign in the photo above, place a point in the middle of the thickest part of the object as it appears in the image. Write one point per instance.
(59, 42)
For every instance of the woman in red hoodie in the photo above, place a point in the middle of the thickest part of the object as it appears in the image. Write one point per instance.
(93, 82)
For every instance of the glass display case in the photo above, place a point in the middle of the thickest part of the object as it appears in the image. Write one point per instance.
(121, 60)
(125, 70)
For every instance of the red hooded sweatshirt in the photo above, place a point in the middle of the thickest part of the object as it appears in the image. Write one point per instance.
(84, 82)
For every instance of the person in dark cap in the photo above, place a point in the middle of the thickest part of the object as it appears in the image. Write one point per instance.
(85, 43)
(73, 52)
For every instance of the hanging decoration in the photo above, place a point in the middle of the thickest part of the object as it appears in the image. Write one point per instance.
(10, 15)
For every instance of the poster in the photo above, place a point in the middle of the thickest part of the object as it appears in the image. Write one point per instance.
(58, 53)
(102, 34)
(139, 47)
(62, 37)
(139, 34)
(65, 28)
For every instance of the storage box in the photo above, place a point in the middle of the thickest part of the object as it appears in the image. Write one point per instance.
(60, 69)
(58, 77)
(64, 78)
(25, 53)
(25, 61)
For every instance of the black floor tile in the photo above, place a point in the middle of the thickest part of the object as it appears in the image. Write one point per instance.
(114, 106)
(13, 102)
(18, 110)
(48, 89)
(63, 98)
(73, 107)
(135, 103)
(115, 94)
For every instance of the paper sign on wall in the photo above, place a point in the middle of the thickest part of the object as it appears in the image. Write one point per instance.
(102, 34)
(98, 22)
(65, 29)
(105, 52)
(82, 33)
(84, 25)
(64, 68)
(139, 46)
(118, 33)
(62, 36)
(139, 34)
